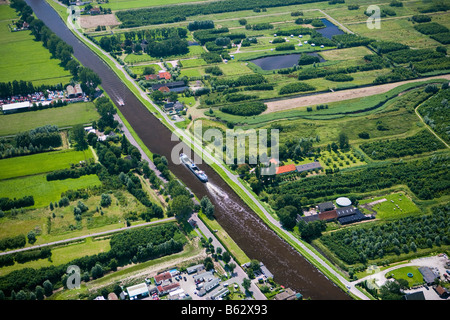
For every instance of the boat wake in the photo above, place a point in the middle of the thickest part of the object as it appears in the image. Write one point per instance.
(222, 198)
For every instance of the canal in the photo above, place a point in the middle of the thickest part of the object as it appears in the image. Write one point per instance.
(241, 223)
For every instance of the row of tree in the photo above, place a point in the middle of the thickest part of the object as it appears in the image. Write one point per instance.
(169, 14)
(359, 245)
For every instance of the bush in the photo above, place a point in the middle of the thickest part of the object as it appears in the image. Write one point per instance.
(285, 47)
(431, 28)
(421, 18)
(306, 59)
(248, 109)
(340, 77)
(296, 87)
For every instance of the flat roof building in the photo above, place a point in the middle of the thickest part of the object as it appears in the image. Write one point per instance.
(309, 166)
(325, 206)
(13, 107)
(138, 291)
(195, 268)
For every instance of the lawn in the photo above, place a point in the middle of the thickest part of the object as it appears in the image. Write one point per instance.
(395, 206)
(70, 115)
(23, 58)
(41, 163)
(42, 190)
(402, 273)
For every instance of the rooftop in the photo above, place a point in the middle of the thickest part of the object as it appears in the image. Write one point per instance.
(286, 169)
(309, 166)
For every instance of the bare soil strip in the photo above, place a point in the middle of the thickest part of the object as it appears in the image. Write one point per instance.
(324, 98)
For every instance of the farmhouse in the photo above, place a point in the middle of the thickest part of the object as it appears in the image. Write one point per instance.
(175, 86)
(286, 169)
(138, 291)
(164, 75)
(177, 106)
(164, 289)
(164, 89)
(325, 206)
(309, 167)
(328, 215)
(159, 278)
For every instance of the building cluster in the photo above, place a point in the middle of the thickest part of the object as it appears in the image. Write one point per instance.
(25, 102)
(175, 286)
(174, 86)
(343, 212)
(430, 275)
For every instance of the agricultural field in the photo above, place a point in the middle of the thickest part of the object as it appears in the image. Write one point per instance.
(66, 116)
(41, 163)
(23, 58)
(392, 206)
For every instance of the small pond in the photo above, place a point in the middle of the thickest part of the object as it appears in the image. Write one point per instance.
(281, 61)
(330, 29)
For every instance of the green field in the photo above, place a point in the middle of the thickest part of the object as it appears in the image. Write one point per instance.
(42, 190)
(62, 255)
(70, 115)
(133, 4)
(23, 58)
(41, 163)
(402, 273)
(396, 205)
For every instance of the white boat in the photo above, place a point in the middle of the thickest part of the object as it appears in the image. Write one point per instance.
(120, 102)
(193, 167)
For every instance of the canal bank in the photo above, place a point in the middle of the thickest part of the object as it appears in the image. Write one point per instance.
(243, 225)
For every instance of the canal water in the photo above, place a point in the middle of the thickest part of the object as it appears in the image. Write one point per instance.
(282, 61)
(241, 223)
(330, 29)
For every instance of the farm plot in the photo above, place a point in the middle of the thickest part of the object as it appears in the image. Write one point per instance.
(26, 59)
(41, 163)
(44, 191)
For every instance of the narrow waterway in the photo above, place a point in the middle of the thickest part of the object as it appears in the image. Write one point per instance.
(242, 224)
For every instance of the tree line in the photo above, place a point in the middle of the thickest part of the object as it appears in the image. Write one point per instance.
(402, 236)
(170, 14)
(37, 140)
(426, 178)
(421, 142)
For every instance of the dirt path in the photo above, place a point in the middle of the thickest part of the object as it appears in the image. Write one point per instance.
(329, 97)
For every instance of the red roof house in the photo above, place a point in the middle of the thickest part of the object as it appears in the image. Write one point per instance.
(164, 89)
(286, 169)
(164, 75)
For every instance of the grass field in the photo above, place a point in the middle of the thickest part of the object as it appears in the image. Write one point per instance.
(132, 4)
(63, 255)
(72, 114)
(402, 273)
(42, 190)
(396, 205)
(41, 163)
(23, 58)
